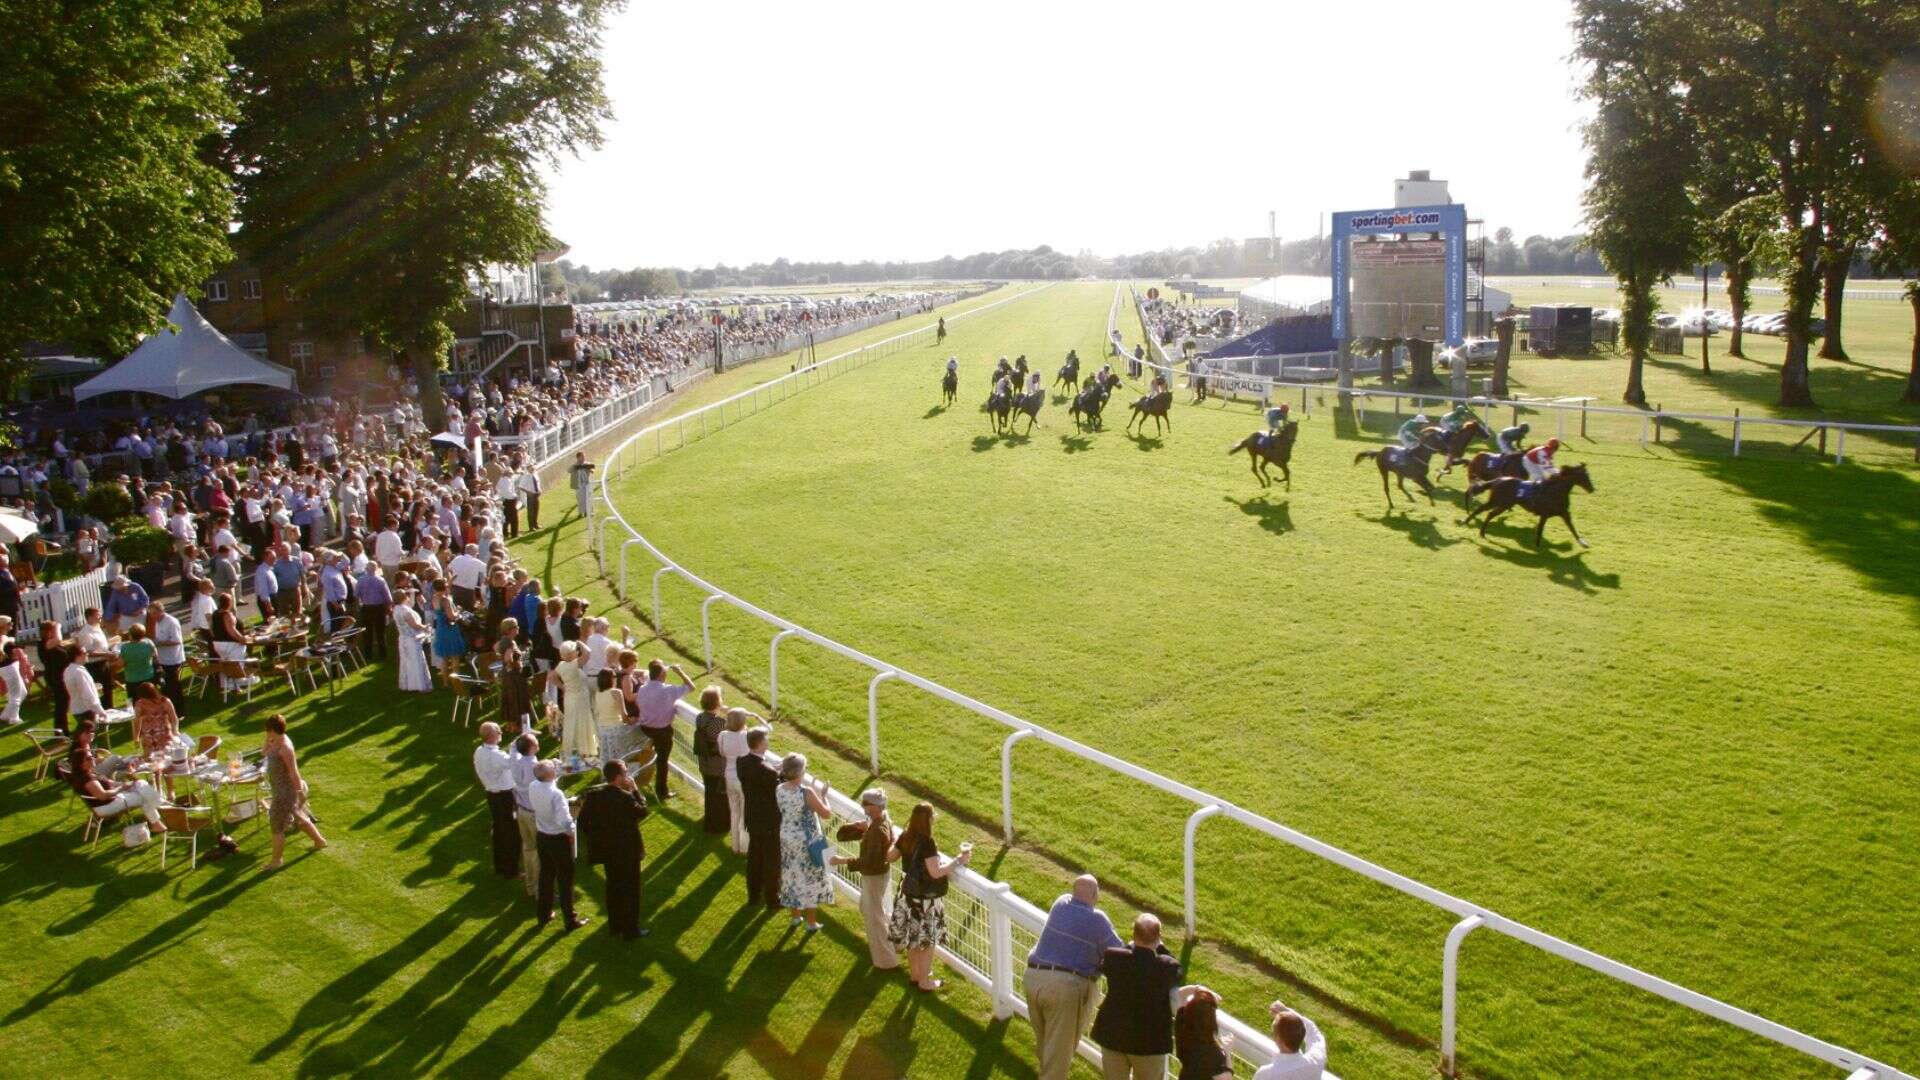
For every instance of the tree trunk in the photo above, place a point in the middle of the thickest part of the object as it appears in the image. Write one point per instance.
(1834, 273)
(1636, 328)
(1802, 285)
(1737, 290)
(1420, 360)
(1913, 372)
(1503, 356)
(425, 363)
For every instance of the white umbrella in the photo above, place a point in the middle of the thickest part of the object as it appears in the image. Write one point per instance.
(449, 439)
(14, 528)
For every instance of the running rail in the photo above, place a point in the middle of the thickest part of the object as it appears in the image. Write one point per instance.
(1470, 916)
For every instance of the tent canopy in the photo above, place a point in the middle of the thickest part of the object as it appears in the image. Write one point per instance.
(190, 358)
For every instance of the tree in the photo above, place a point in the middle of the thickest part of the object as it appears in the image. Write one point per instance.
(1891, 194)
(1641, 218)
(386, 153)
(1792, 76)
(106, 208)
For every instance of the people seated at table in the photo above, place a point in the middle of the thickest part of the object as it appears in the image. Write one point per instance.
(103, 796)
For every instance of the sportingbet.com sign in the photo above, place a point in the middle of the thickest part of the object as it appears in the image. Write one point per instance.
(1449, 221)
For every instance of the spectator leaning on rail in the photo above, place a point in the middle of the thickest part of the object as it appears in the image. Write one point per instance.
(919, 923)
(1062, 971)
(875, 835)
(1134, 1027)
(1303, 1050)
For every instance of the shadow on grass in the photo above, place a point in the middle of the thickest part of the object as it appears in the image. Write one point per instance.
(1075, 444)
(1145, 443)
(1850, 390)
(1275, 517)
(1423, 531)
(933, 412)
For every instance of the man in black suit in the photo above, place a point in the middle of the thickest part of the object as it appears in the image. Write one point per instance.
(1134, 1027)
(757, 783)
(610, 817)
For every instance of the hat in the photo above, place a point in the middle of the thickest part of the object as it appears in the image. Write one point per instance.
(122, 581)
(873, 797)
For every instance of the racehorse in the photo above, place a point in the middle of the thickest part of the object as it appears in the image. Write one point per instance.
(1265, 449)
(1546, 498)
(949, 386)
(1156, 406)
(1069, 374)
(1488, 466)
(1456, 442)
(1029, 403)
(1019, 377)
(999, 409)
(1405, 465)
(1550, 498)
(1088, 404)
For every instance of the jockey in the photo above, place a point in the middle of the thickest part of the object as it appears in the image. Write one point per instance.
(1539, 461)
(1033, 384)
(1002, 388)
(953, 365)
(1457, 417)
(1410, 431)
(1158, 386)
(1106, 375)
(1277, 418)
(1509, 438)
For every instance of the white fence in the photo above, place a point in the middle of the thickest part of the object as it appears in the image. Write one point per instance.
(64, 602)
(993, 953)
(1652, 424)
(548, 444)
(1852, 293)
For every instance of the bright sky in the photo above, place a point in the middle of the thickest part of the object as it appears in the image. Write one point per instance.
(853, 130)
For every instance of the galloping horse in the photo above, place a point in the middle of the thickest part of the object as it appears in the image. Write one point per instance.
(1550, 498)
(1029, 403)
(1264, 449)
(1088, 404)
(1487, 465)
(999, 409)
(1156, 406)
(1455, 443)
(949, 387)
(1405, 465)
(1069, 374)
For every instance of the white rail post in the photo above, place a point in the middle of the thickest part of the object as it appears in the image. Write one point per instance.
(773, 668)
(1000, 948)
(1006, 781)
(873, 720)
(1449, 978)
(1193, 824)
(706, 627)
(622, 593)
(657, 575)
(1840, 447)
(1736, 433)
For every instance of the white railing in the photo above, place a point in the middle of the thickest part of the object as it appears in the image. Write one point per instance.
(64, 602)
(553, 442)
(1004, 912)
(1852, 293)
(1651, 422)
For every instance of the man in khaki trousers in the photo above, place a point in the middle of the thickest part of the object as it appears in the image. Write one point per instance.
(1062, 974)
(520, 762)
(876, 853)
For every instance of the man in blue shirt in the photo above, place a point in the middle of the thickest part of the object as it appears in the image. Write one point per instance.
(288, 572)
(333, 591)
(525, 608)
(265, 584)
(127, 600)
(376, 601)
(1061, 974)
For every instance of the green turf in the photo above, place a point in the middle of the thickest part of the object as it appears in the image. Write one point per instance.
(1688, 748)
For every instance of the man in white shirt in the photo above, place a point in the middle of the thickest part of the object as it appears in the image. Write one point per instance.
(529, 484)
(553, 820)
(170, 652)
(388, 551)
(466, 570)
(83, 697)
(521, 762)
(598, 645)
(507, 490)
(1303, 1050)
(495, 770)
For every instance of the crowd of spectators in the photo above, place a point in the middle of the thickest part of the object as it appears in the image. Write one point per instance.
(1173, 323)
(668, 338)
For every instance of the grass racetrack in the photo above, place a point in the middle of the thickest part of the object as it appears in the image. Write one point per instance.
(1690, 748)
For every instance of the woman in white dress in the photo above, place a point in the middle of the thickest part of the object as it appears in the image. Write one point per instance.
(733, 745)
(415, 676)
(577, 734)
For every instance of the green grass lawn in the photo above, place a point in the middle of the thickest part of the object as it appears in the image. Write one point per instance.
(396, 953)
(1688, 748)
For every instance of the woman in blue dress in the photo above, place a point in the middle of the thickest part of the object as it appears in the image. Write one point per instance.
(449, 643)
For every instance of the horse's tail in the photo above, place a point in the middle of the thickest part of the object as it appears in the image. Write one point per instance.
(1477, 488)
(1364, 455)
(1241, 445)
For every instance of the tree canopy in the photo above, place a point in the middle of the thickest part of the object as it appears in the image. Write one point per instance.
(107, 208)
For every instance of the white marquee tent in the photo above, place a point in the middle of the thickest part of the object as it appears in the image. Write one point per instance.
(186, 360)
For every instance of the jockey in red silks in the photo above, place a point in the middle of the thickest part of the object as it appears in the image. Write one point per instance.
(1539, 461)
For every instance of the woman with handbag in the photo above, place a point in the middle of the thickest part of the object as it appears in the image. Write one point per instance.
(804, 886)
(289, 806)
(920, 914)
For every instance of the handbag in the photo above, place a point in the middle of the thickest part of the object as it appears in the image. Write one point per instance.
(135, 835)
(816, 843)
(916, 883)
